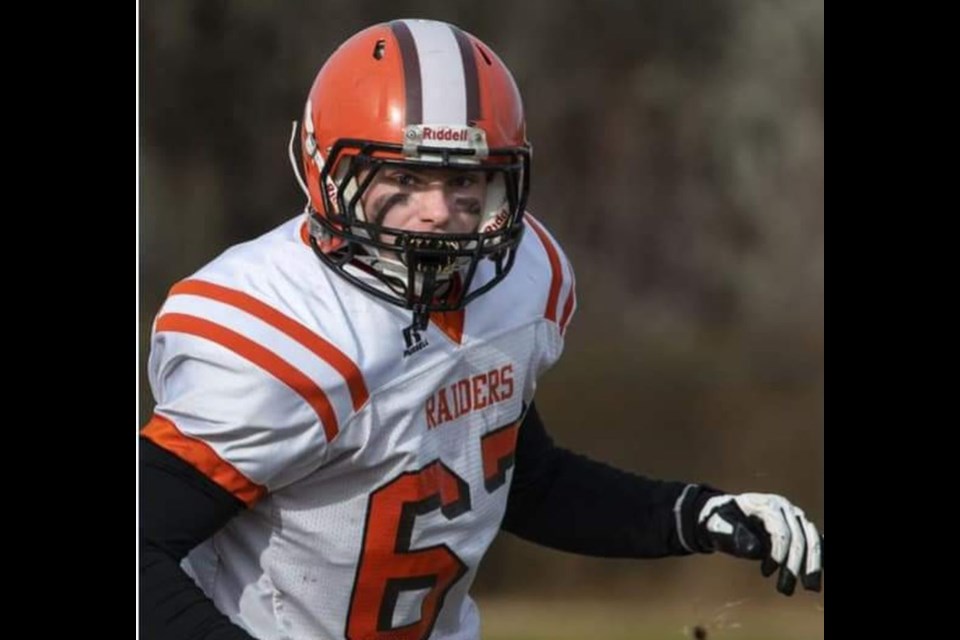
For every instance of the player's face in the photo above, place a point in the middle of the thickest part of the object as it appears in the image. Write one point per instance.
(426, 200)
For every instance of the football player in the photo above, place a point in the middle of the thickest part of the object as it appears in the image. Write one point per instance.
(345, 407)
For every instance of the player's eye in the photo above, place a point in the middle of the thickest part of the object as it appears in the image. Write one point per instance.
(462, 181)
(404, 179)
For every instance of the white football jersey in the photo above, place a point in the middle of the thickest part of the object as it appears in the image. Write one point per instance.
(376, 460)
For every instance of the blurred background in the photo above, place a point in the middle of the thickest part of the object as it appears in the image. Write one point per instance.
(678, 158)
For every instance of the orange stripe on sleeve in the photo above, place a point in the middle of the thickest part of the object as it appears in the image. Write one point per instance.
(199, 454)
(317, 345)
(260, 356)
(555, 270)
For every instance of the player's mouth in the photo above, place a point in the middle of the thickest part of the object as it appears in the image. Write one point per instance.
(432, 254)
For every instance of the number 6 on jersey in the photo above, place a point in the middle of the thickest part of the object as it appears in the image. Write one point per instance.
(387, 564)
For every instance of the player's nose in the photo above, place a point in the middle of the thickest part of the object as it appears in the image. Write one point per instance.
(434, 209)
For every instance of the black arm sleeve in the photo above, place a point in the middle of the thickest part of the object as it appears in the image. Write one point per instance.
(179, 509)
(566, 501)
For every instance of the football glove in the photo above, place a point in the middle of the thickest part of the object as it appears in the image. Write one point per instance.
(765, 527)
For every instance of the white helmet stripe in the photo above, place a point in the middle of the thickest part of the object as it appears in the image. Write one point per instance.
(442, 79)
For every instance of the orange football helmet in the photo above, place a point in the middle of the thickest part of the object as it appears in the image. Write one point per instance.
(414, 93)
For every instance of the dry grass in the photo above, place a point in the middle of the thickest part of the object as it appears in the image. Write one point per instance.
(799, 618)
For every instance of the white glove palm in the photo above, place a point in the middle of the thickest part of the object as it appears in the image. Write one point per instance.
(768, 527)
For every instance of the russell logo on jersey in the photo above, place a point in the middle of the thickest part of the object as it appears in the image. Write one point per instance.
(414, 341)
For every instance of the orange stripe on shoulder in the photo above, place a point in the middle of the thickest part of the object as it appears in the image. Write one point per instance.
(556, 272)
(260, 356)
(317, 345)
(200, 455)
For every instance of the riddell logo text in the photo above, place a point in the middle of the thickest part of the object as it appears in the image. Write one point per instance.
(446, 133)
(497, 223)
(469, 394)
